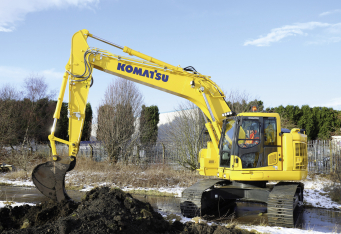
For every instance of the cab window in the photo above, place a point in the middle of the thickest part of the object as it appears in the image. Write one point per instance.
(270, 131)
(249, 134)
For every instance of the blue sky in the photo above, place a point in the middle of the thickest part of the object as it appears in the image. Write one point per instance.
(281, 52)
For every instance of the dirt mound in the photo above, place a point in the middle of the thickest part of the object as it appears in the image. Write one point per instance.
(103, 210)
(24, 216)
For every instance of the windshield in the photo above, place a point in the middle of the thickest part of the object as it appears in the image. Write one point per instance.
(226, 147)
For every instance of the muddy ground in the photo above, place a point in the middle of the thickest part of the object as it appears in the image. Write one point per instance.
(103, 210)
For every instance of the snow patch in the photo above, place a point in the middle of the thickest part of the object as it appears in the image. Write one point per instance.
(5, 203)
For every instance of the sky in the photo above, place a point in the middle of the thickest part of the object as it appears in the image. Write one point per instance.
(281, 52)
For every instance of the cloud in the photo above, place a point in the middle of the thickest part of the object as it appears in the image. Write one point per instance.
(324, 40)
(278, 34)
(330, 12)
(335, 28)
(17, 74)
(14, 11)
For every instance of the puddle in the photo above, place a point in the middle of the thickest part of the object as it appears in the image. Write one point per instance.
(322, 220)
(255, 213)
(164, 204)
(244, 212)
(30, 194)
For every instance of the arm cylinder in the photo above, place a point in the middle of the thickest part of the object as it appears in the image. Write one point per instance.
(61, 96)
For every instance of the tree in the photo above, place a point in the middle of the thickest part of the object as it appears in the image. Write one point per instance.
(8, 115)
(241, 102)
(328, 122)
(149, 120)
(87, 123)
(337, 131)
(319, 122)
(62, 127)
(36, 110)
(184, 133)
(308, 121)
(25, 119)
(117, 118)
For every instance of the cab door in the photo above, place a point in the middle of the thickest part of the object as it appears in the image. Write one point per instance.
(256, 144)
(249, 147)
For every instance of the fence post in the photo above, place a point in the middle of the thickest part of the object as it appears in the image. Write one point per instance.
(163, 153)
(331, 156)
(50, 149)
(91, 152)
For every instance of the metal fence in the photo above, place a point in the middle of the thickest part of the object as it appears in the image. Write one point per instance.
(324, 156)
(159, 153)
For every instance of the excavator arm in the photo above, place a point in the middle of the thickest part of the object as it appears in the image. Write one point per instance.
(186, 83)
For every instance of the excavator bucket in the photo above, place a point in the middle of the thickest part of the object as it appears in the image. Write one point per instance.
(49, 177)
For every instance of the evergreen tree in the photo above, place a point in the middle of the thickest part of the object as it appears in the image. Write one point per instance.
(149, 119)
(62, 128)
(319, 122)
(308, 122)
(87, 123)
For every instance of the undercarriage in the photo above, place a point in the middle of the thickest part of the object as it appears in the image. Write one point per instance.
(215, 194)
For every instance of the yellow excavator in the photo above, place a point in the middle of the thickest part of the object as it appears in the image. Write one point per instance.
(244, 153)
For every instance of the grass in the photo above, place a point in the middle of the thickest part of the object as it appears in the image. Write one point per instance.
(19, 174)
(333, 190)
(88, 172)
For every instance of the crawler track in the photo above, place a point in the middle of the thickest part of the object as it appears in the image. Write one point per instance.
(192, 203)
(283, 200)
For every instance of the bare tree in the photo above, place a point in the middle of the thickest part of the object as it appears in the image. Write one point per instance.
(184, 133)
(117, 115)
(37, 109)
(35, 115)
(24, 119)
(287, 123)
(242, 101)
(9, 92)
(36, 88)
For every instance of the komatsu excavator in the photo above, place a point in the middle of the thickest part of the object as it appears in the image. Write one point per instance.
(245, 151)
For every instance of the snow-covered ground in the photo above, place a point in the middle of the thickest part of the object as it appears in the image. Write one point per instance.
(261, 229)
(280, 230)
(25, 183)
(314, 195)
(5, 203)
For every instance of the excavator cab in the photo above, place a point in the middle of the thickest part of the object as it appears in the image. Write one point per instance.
(250, 138)
(253, 149)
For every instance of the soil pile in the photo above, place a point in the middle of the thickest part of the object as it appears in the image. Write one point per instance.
(103, 210)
